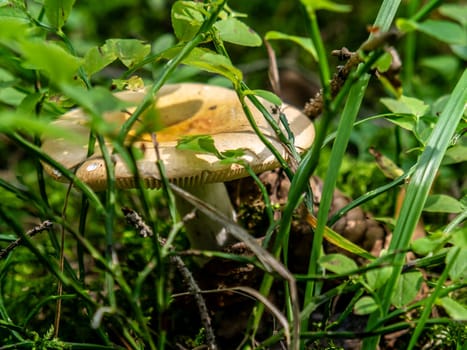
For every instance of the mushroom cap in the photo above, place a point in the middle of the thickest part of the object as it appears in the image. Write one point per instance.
(184, 109)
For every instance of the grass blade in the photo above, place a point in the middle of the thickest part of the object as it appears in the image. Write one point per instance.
(417, 191)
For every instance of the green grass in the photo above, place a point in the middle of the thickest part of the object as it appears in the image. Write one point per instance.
(90, 281)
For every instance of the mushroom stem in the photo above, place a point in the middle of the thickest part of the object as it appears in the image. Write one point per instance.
(202, 232)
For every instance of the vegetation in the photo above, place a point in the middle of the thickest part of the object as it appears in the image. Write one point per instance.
(75, 271)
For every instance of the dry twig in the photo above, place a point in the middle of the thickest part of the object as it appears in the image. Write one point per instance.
(134, 219)
(47, 224)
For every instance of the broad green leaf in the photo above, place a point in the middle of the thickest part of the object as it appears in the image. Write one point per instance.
(429, 244)
(304, 42)
(457, 12)
(406, 25)
(13, 8)
(232, 156)
(406, 105)
(459, 236)
(441, 203)
(383, 63)
(314, 5)
(57, 11)
(338, 263)
(454, 309)
(209, 61)
(98, 99)
(12, 29)
(406, 289)
(28, 105)
(267, 95)
(446, 65)
(205, 144)
(460, 50)
(445, 31)
(458, 271)
(365, 306)
(11, 96)
(236, 32)
(98, 58)
(187, 18)
(198, 143)
(56, 63)
(455, 154)
(448, 32)
(19, 122)
(405, 121)
(163, 42)
(129, 51)
(133, 83)
(378, 277)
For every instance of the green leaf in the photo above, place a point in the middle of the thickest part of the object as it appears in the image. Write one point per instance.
(338, 263)
(163, 42)
(459, 238)
(406, 105)
(304, 42)
(209, 61)
(133, 83)
(441, 203)
(378, 277)
(97, 100)
(267, 95)
(236, 32)
(445, 31)
(56, 63)
(448, 32)
(406, 289)
(365, 306)
(406, 25)
(187, 18)
(314, 5)
(98, 58)
(129, 51)
(455, 154)
(405, 121)
(205, 144)
(199, 144)
(57, 11)
(11, 96)
(28, 105)
(429, 244)
(383, 63)
(458, 271)
(457, 12)
(460, 50)
(446, 65)
(12, 28)
(454, 309)
(232, 156)
(20, 122)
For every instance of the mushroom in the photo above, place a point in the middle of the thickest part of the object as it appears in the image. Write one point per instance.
(184, 109)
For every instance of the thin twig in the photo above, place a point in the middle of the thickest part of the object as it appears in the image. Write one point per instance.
(134, 219)
(47, 224)
(58, 310)
(314, 107)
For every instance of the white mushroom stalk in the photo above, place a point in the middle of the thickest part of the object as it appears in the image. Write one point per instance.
(185, 110)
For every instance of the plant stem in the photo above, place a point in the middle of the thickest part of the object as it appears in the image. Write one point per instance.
(170, 67)
(417, 192)
(340, 145)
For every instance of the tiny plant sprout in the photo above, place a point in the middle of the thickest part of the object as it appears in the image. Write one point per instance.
(186, 110)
